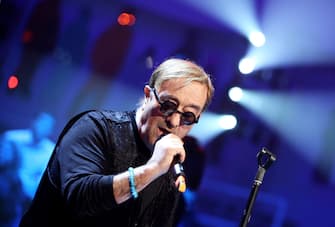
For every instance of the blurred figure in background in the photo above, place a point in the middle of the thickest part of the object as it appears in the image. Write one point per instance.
(10, 187)
(23, 157)
(325, 169)
(194, 167)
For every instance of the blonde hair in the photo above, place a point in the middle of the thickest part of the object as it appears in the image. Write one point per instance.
(175, 68)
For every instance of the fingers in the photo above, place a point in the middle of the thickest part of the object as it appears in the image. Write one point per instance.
(165, 151)
(175, 145)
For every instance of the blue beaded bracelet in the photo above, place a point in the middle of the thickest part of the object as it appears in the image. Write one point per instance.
(132, 185)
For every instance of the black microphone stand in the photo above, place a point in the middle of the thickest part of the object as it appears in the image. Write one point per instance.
(265, 159)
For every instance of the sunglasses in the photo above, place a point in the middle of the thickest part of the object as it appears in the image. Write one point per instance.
(168, 108)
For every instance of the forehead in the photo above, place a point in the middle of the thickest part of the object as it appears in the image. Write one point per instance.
(187, 93)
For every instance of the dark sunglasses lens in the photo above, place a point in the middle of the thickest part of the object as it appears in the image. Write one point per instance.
(188, 118)
(168, 108)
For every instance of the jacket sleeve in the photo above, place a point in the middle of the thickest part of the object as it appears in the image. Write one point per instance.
(82, 156)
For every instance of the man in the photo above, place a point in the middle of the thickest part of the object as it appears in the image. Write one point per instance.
(114, 168)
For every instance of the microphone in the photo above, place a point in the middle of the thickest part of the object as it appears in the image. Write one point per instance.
(179, 175)
(178, 171)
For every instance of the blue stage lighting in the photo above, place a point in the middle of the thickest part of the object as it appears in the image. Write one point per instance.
(235, 94)
(246, 65)
(257, 38)
(228, 122)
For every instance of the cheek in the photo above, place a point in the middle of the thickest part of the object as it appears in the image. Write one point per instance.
(150, 127)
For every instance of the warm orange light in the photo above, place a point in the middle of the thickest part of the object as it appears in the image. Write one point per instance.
(181, 183)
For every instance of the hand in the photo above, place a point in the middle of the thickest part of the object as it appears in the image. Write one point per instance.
(165, 150)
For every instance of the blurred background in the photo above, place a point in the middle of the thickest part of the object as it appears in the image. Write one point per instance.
(272, 63)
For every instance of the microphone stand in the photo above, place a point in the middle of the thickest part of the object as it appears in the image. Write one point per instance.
(265, 158)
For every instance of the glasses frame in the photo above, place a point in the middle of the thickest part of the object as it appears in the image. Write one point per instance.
(182, 114)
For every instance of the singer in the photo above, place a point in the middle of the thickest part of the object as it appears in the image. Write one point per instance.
(116, 168)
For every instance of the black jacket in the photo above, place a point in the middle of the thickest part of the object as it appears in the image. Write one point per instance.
(76, 188)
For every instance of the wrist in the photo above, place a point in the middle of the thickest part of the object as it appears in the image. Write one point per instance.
(152, 169)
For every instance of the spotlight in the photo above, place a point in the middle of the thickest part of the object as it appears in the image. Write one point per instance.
(235, 94)
(13, 82)
(211, 125)
(257, 39)
(126, 19)
(228, 122)
(246, 65)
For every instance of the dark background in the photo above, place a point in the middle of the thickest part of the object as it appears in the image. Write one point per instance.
(72, 56)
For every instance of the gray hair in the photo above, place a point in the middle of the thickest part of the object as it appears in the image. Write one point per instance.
(174, 68)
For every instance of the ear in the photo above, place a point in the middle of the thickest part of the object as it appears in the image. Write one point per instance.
(147, 91)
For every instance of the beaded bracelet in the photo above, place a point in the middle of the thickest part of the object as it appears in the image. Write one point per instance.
(132, 185)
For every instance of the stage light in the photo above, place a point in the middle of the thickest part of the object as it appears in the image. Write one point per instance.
(13, 82)
(257, 39)
(247, 65)
(228, 122)
(211, 125)
(235, 94)
(294, 35)
(292, 116)
(239, 15)
(126, 19)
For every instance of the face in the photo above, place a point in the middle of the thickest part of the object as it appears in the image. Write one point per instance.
(153, 123)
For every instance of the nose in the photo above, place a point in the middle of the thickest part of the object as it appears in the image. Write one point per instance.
(173, 120)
